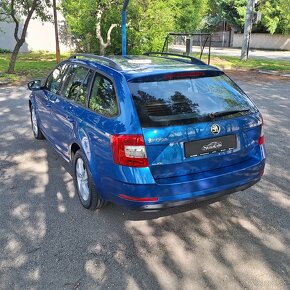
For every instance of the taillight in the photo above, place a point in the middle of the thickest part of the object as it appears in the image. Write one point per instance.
(129, 150)
(261, 138)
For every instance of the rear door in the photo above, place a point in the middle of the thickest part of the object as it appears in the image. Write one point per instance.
(194, 122)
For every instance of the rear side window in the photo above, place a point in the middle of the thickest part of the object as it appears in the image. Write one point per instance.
(164, 101)
(54, 81)
(103, 98)
(77, 83)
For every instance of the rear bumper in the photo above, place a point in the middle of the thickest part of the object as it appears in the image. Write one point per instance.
(160, 206)
(199, 187)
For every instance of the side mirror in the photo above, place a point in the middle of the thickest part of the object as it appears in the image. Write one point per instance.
(34, 85)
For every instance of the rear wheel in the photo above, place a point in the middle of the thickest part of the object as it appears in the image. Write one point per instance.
(84, 183)
(34, 124)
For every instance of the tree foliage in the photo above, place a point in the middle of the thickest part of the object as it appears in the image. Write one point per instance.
(190, 15)
(231, 11)
(275, 15)
(19, 9)
(148, 22)
(81, 20)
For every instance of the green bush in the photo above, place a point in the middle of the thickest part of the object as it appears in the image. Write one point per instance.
(3, 50)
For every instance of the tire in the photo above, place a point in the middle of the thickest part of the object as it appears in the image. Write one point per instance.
(84, 184)
(35, 124)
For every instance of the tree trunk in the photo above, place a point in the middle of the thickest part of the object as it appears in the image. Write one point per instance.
(103, 45)
(57, 51)
(102, 49)
(13, 57)
(19, 40)
(247, 30)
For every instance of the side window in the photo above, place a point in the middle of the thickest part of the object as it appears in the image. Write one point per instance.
(103, 97)
(54, 81)
(77, 84)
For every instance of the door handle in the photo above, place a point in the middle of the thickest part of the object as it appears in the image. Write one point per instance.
(70, 119)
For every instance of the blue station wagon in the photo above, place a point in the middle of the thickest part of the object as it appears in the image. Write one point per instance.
(151, 131)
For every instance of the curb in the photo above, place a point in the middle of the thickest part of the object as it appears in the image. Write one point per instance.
(266, 72)
(4, 83)
(11, 83)
(274, 73)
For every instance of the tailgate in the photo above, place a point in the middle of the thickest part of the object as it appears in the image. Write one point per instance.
(166, 149)
(194, 121)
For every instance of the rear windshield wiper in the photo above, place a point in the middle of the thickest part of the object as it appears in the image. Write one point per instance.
(226, 113)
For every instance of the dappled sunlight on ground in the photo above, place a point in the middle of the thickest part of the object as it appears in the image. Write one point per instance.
(49, 241)
(217, 243)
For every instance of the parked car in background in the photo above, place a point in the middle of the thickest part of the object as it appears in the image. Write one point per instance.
(150, 131)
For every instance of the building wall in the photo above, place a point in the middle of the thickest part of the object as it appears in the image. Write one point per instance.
(40, 36)
(218, 39)
(264, 41)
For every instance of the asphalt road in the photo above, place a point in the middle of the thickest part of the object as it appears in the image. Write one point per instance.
(48, 241)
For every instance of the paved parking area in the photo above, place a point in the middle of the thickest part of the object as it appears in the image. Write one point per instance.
(229, 51)
(48, 241)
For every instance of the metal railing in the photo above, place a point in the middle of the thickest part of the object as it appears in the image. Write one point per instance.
(190, 35)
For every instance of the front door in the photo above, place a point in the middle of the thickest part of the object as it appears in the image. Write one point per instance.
(48, 97)
(69, 107)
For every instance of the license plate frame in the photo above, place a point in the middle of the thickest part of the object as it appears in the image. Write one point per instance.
(210, 145)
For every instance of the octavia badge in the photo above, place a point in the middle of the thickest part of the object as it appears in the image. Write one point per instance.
(215, 129)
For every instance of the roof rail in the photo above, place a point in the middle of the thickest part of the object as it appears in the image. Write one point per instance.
(102, 60)
(193, 60)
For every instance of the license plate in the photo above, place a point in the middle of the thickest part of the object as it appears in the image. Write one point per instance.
(211, 145)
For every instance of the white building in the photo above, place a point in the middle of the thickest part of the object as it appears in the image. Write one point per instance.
(40, 36)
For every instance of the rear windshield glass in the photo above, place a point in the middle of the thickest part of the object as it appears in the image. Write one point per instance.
(164, 101)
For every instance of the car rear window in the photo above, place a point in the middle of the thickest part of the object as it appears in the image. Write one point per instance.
(184, 98)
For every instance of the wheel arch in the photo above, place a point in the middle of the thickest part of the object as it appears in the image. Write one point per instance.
(80, 145)
(73, 149)
(93, 167)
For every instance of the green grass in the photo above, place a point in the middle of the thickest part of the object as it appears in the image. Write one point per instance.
(28, 66)
(37, 65)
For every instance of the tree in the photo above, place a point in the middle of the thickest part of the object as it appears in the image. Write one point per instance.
(190, 14)
(88, 20)
(231, 11)
(148, 22)
(247, 30)
(80, 22)
(101, 8)
(275, 15)
(22, 10)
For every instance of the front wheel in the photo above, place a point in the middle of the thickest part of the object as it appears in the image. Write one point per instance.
(84, 184)
(34, 124)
